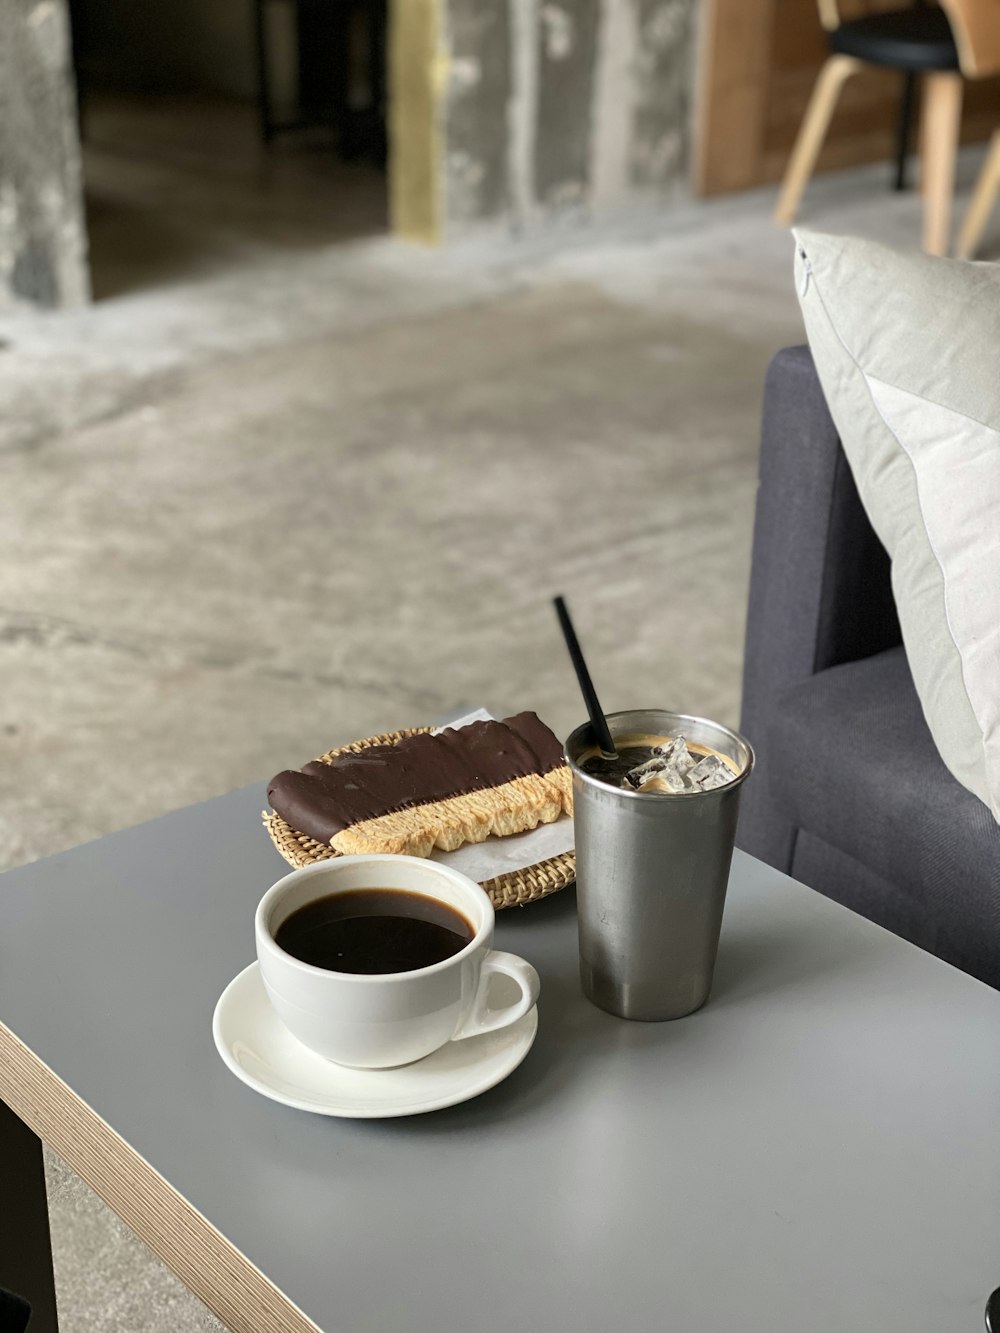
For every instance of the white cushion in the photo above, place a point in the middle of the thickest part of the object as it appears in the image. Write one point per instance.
(907, 348)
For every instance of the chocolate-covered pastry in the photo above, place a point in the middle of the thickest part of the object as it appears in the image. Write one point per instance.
(430, 791)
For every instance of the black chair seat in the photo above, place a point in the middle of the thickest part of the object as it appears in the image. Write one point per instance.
(911, 39)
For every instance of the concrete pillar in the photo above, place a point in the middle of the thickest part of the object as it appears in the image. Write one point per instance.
(527, 111)
(43, 248)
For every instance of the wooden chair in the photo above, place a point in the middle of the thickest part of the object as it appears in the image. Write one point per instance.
(983, 198)
(960, 40)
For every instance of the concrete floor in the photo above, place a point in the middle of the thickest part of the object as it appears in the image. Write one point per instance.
(291, 494)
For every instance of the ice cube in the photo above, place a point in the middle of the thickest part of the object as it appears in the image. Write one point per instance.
(667, 781)
(710, 772)
(677, 756)
(635, 777)
(673, 768)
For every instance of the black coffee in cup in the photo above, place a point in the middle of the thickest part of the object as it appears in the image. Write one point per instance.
(374, 931)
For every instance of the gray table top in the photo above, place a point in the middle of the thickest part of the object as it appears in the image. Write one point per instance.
(819, 1148)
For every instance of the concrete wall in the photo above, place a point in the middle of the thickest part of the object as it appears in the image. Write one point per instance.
(558, 107)
(43, 256)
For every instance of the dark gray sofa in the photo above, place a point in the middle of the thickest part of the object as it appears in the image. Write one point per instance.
(849, 796)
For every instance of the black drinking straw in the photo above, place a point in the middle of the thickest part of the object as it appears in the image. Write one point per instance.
(597, 719)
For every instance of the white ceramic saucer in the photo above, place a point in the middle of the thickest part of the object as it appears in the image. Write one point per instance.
(260, 1050)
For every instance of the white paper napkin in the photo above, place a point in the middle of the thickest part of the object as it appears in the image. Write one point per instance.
(499, 856)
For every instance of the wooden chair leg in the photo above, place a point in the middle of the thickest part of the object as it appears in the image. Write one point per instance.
(832, 77)
(942, 113)
(983, 198)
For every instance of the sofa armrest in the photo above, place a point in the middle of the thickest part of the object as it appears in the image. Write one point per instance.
(820, 591)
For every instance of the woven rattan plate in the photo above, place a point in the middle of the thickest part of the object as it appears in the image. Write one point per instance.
(516, 889)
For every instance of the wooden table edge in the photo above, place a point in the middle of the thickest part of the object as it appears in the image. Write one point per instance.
(208, 1264)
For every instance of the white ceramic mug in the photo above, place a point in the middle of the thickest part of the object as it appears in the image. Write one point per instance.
(390, 1018)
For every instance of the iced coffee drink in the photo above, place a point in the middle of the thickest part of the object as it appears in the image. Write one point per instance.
(663, 764)
(654, 839)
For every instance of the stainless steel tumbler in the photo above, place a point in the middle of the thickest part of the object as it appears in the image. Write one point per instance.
(651, 873)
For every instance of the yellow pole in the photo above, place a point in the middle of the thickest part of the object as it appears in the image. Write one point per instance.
(417, 86)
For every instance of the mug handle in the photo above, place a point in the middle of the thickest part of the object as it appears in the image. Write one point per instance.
(483, 1019)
